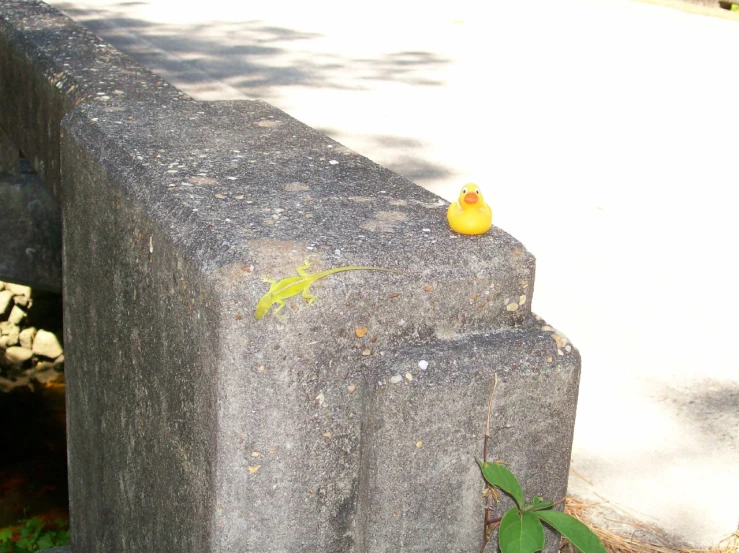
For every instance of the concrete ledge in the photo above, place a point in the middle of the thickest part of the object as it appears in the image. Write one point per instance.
(235, 183)
(186, 211)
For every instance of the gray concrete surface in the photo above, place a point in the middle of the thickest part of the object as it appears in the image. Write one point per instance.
(604, 135)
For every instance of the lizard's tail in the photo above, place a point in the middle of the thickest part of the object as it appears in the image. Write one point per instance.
(363, 268)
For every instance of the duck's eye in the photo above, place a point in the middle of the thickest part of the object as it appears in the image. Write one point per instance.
(464, 191)
(477, 191)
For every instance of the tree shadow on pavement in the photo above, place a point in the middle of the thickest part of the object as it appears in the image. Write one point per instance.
(252, 56)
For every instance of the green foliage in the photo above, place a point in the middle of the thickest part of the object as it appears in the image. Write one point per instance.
(31, 535)
(520, 530)
(496, 474)
(575, 531)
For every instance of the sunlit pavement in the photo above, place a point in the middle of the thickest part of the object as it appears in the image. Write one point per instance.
(605, 135)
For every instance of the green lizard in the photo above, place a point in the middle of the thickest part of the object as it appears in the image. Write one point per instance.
(292, 286)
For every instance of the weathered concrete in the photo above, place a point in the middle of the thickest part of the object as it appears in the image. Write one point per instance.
(194, 427)
(30, 231)
(286, 419)
(420, 490)
(9, 157)
(48, 65)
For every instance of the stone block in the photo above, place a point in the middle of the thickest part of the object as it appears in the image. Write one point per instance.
(424, 428)
(293, 432)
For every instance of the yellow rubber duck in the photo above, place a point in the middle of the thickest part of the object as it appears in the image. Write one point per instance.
(470, 214)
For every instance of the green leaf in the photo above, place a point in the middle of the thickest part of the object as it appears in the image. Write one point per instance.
(499, 476)
(63, 538)
(575, 531)
(6, 534)
(539, 504)
(46, 541)
(520, 532)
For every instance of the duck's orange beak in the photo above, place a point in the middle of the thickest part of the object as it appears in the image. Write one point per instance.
(470, 198)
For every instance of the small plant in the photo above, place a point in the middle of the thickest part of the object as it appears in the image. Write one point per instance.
(520, 529)
(32, 534)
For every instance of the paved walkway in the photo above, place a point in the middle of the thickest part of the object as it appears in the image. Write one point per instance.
(605, 135)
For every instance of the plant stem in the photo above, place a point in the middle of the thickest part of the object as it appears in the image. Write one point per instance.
(487, 427)
(486, 532)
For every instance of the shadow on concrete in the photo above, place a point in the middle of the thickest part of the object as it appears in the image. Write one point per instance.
(251, 56)
(689, 476)
(712, 409)
(409, 161)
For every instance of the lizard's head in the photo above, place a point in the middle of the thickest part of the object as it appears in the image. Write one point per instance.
(262, 308)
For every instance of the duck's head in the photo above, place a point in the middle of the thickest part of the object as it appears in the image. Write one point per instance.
(470, 196)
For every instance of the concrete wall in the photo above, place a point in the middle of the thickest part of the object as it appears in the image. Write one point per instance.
(347, 425)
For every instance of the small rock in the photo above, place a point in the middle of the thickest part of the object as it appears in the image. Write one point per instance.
(46, 376)
(26, 337)
(59, 362)
(18, 355)
(42, 366)
(6, 300)
(46, 344)
(512, 307)
(18, 289)
(423, 365)
(23, 301)
(3, 342)
(10, 332)
(7, 385)
(6, 328)
(395, 379)
(320, 399)
(16, 315)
